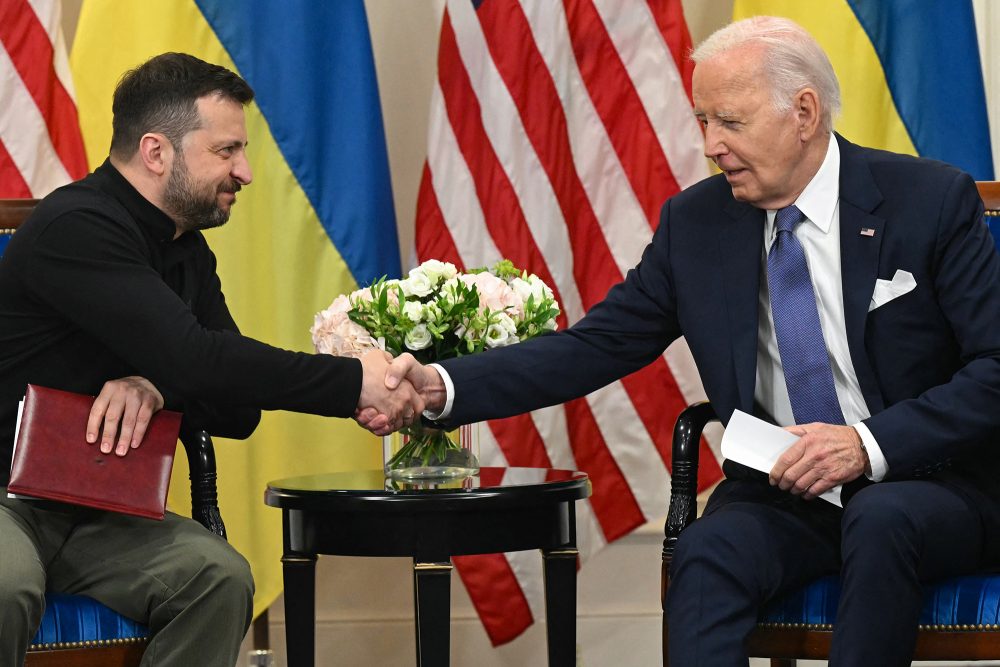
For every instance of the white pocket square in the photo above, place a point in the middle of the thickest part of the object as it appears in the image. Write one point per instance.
(887, 290)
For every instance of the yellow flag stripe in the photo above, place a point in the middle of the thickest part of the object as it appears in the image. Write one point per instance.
(869, 114)
(277, 265)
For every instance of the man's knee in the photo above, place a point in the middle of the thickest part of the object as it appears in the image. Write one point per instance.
(722, 540)
(875, 515)
(22, 592)
(226, 571)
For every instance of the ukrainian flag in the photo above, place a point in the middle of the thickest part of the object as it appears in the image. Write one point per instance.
(909, 73)
(316, 222)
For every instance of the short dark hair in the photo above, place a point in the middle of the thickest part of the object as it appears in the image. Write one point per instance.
(160, 94)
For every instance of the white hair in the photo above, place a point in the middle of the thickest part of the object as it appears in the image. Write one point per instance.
(792, 60)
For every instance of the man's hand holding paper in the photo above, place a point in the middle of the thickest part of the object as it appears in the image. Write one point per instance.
(811, 460)
(823, 458)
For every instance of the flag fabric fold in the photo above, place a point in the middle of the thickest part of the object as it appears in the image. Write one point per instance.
(911, 78)
(317, 220)
(557, 130)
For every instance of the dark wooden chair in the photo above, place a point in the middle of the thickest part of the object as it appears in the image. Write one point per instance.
(961, 616)
(75, 630)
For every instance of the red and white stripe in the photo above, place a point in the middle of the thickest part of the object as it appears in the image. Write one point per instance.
(557, 130)
(40, 143)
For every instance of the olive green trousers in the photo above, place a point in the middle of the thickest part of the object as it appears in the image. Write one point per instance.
(189, 586)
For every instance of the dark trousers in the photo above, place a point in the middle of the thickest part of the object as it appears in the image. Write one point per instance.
(756, 542)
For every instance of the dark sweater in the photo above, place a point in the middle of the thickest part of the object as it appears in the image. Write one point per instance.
(93, 288)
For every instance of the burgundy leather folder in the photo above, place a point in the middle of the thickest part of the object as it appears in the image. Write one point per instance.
(53, 460)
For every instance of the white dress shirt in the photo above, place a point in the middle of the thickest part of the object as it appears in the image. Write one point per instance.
(820, 239)
(819, 235)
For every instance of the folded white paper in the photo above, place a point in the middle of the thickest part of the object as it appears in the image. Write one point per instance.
(757, 444)
(887, 290)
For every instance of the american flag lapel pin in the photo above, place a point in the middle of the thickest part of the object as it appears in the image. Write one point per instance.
(867, 231)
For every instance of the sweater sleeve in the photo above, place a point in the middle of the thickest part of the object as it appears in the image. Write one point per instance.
(95, 271)
(219, 418)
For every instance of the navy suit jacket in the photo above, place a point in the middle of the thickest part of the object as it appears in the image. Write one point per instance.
(928, 362)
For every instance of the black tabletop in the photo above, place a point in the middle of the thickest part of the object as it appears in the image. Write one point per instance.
(330, 490)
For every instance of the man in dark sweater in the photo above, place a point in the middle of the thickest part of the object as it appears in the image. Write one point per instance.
(110, 289)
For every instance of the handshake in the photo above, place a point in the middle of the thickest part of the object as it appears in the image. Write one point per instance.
(394, 392)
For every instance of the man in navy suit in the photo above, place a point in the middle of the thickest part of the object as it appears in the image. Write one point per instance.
(847, 294)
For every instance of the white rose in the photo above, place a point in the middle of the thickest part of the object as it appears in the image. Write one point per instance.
(538, 288)
(417, 284)
(498, 336)
(413, 310)
(437, 270)
(522, 288)
(506, 322)
(418, 337)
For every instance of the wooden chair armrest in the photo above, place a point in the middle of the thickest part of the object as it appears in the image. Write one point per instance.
(683, 491)
(204, 493)
(15, 211)
(684, 474)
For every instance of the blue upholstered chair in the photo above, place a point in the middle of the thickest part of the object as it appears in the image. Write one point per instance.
(961, 616)
(77, 630)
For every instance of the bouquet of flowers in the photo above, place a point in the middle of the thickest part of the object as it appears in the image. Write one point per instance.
(437, 312)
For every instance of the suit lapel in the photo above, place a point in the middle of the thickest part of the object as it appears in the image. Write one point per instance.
(861, 235)
(741, 243)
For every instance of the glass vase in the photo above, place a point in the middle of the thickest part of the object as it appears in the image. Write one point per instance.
(423, 452)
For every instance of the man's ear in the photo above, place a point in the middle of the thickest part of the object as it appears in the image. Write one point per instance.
(156, 153)
(807, 111)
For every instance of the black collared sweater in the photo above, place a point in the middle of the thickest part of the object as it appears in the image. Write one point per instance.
(93, 287)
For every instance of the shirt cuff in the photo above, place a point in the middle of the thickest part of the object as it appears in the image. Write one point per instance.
(449, 391)
(880, 467)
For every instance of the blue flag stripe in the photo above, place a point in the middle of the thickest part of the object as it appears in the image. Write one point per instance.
(311, 66)
(929, 53)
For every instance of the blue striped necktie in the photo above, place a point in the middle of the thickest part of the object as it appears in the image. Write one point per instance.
(804, 357)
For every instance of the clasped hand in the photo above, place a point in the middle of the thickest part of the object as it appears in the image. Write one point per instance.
(410, 387)
(384, 408)
(824, 456)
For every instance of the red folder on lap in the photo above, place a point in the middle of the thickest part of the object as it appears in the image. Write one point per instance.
(53, 460)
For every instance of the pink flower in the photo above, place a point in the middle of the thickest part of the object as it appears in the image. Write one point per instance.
(494, 293)
(341, 304)
(364, 294)
(334, 333)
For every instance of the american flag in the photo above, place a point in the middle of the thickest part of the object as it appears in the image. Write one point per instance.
(557, 130)
(40, 143)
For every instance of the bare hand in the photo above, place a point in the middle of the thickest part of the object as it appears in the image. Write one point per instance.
(824, 456)
(125, 407)
(391, 408)
(406, 369)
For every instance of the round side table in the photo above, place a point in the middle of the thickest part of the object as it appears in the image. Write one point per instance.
(364, 514)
